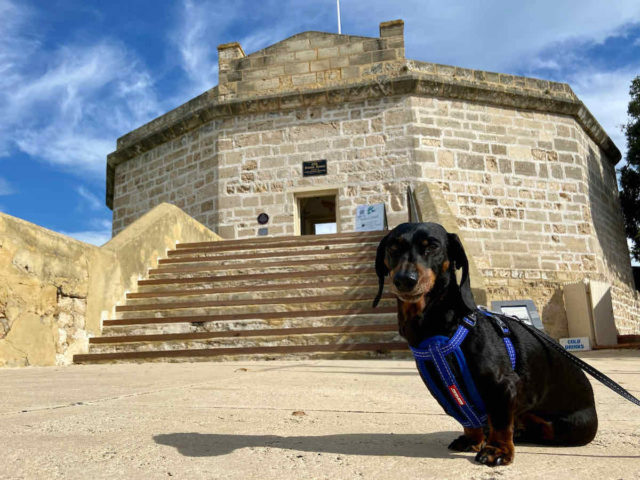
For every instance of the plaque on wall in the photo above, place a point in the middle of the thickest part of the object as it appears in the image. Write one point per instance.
(263, 218)
(314, 167)
(263, 231)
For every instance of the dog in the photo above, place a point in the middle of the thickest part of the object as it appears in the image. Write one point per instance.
(544, 399)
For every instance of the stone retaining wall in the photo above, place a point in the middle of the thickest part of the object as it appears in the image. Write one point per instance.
(55, 291)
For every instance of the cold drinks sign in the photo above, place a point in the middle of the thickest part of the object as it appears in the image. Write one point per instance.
(370, 218)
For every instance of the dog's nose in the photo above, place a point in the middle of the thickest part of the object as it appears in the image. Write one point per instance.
(406, 280)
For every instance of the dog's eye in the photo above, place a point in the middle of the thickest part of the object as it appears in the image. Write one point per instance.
(432, 247)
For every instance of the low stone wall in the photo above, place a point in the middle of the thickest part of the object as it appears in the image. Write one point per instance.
(44, 284)
(626, 309)
(55, 291)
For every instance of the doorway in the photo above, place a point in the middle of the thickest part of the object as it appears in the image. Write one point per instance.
(317, 214)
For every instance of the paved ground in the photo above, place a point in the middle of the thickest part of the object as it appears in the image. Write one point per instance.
(275, 420)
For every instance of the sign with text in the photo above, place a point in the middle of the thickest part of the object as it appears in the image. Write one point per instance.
(370, 218)
(314, 167)
(576, 343)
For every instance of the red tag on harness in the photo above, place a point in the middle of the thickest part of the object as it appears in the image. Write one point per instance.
(455, 393)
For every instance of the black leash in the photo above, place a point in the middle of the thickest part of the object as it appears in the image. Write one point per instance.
(597, 374)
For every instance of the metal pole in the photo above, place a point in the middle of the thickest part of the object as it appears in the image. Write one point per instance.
(339, 26)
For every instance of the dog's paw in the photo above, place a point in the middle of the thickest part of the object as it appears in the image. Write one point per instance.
(466, 444)
(492, 456)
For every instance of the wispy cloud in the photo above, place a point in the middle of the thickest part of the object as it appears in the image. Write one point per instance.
(98, 234)
(89, 198)
(85, 96)
(194, 37)
(203, 25)
(5, 187)
(499, 35)
(606, 95)
(93, 237)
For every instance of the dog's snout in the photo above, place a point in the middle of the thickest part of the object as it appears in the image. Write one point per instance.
(405, 280)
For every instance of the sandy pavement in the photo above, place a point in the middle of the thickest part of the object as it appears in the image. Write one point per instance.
(337, 419)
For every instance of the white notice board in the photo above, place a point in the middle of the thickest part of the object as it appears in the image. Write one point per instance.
(370, 217)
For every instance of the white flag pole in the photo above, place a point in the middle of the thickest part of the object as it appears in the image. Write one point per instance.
(339, 26)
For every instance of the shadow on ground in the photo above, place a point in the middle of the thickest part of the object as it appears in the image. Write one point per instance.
(430, 445)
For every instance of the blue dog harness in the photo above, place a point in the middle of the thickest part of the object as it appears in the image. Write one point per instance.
(444, 370)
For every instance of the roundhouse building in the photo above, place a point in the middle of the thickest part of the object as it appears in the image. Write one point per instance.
(518, 166)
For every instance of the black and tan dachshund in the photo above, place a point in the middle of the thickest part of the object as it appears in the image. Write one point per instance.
(547, 399)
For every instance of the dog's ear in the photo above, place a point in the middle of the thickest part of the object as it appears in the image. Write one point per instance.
(459, 258)
(381, 268)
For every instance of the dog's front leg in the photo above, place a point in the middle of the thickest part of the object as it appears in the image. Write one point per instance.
(499, 449)
(471, 441)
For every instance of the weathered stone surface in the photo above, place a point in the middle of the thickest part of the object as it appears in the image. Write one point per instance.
(55, 291)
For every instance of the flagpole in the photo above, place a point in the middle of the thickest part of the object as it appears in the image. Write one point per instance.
(338, 7)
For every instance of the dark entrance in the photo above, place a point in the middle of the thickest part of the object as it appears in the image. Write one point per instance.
(317, 215)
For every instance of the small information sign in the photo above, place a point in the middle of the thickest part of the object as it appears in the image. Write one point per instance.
(370, 218)
(314, 167)
(576, 344)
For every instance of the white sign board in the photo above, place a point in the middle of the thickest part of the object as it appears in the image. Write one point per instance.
(576, 343)
(370, 217)
(518, 311)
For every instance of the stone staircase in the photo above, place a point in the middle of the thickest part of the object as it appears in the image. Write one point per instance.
(267, 298)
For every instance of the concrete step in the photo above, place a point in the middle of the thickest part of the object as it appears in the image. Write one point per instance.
(250, 321)
(290, 254)
(283, 284)
(261, 292)
(280, 304)
(248, 338)
(232, 267)
(287, 241)
(248, 251)
(332, 350)
(165, 282)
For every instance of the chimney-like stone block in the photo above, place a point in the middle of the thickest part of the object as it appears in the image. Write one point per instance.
(392, 34)
(393, 28)
(228, 52)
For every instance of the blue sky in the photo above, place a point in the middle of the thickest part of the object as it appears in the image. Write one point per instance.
(77, 74)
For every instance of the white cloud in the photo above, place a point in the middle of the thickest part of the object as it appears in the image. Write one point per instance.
(606, 95)
(5, 187)
(94, 237)
(194, 38)
(91, 200)
(204, 25)
(498, 35)
(98, 234)
(68, 106)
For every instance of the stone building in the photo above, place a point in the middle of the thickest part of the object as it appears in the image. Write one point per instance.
(520, 165)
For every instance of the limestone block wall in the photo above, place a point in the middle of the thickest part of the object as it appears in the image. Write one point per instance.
(228, 171)
(309, 60)
(534, 197)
